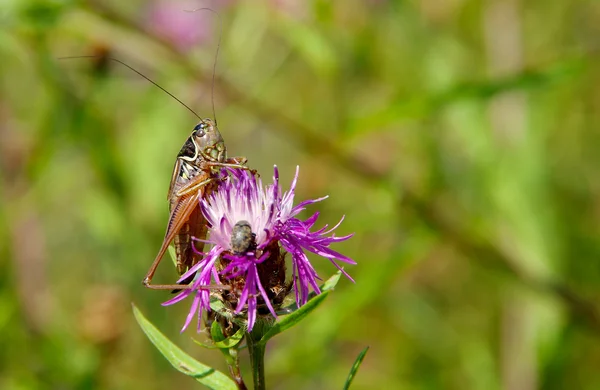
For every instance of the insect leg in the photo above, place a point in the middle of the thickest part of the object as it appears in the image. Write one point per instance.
(179, 214)
(189, 188)
(217, 287)
(233, 162)
(237, 160)
(227, 165)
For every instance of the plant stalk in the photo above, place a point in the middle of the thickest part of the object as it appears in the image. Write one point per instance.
(257, 356)
(234, 369)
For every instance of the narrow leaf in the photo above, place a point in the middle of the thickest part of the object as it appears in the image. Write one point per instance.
(229, 342)
(354, 368)
(220, 340)
(183, 362)
(292, 319)
(218, 307)
(205, 345)
(331, 282)
(215, 332)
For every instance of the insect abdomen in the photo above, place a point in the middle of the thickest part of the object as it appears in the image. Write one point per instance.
(184, 246)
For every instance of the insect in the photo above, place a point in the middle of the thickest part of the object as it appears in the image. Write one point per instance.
(195, 176)
(242, 238)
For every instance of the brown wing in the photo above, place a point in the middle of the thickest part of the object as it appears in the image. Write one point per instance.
(196, 226)
(181, 209)
(174, 176)
(179, 216)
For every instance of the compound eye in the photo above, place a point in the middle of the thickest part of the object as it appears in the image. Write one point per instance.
(199, 129)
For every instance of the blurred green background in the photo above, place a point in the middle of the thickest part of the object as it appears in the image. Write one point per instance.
(460, 139)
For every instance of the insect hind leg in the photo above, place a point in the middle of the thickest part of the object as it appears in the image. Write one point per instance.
(194, 187)
(234, 162)
(217, 287)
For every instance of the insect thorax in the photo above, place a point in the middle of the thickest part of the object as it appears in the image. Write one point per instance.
(188, 171)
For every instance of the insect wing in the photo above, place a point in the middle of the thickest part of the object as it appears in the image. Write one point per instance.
(176, 170)
(195, 226)
(179, 216)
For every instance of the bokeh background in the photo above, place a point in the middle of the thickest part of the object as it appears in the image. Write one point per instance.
(459, 138)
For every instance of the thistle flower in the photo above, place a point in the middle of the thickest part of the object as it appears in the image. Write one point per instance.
(183, 30)
(249, 224)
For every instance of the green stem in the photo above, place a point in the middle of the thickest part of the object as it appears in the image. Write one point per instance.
(257, 356)
(234, 368)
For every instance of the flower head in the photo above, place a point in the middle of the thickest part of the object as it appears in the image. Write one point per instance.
(249, 225)
(184, 30)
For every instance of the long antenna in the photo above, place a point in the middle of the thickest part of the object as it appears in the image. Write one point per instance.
(141, 74)
(212, 87)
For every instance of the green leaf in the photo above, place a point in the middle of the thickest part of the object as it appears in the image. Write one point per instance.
(230, 352)
(290, 320)
(229, 342)
(330, 283)
(215, 332)
(183, 362)
(354, 368)
(220, 340)
(205, 345)
(217, 306)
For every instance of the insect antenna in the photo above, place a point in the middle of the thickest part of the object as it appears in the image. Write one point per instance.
(212, 87)
(139, 73)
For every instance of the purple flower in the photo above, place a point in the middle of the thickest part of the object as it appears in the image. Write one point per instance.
(263, 220)
(172, 21)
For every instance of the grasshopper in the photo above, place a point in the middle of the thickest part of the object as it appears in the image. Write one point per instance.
(195, 176)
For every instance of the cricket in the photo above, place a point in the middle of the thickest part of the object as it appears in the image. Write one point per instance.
(195, 176)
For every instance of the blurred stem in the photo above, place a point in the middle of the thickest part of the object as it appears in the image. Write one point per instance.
(231, 355)
(257, 354)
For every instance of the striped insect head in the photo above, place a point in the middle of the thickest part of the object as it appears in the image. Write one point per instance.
(205, 143)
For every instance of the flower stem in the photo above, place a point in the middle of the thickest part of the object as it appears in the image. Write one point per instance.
(234, 368)
(257, 355)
